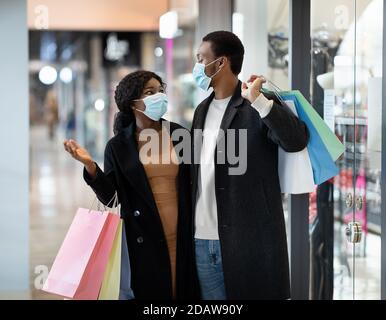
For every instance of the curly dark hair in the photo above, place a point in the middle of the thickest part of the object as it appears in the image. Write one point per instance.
(127, 90)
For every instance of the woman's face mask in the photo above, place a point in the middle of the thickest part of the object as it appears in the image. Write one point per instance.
(156, 106)
(200, 77)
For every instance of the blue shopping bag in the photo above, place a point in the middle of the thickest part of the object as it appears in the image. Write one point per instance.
(125, 293)
(323, 166)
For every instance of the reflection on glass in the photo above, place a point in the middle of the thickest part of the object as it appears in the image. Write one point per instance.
(346, 73)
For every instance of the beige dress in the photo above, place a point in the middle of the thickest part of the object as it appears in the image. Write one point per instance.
(162, 170)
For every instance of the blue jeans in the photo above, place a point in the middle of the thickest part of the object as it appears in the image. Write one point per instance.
(209, 269)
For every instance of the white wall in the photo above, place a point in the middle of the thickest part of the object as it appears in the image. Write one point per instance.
(14, 134)
(253, 33)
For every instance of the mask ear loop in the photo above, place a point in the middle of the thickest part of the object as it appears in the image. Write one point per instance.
(212, 76)
(145, 98)
(212, 62)
(138, 109)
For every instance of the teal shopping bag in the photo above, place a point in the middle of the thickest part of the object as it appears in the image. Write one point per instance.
(334, 146)
(323, 165)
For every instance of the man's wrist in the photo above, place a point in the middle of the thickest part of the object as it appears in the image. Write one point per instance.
(262, 105)
(254, 97)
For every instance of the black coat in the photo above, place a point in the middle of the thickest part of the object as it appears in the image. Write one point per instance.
(149, 256)
(251, 223)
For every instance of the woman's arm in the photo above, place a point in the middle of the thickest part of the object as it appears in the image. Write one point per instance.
(91, 169)
(102, 183)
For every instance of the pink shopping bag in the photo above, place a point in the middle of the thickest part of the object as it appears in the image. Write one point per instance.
(78, 269)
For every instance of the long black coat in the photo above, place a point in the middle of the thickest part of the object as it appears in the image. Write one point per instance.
(251, 223)
(149, 256)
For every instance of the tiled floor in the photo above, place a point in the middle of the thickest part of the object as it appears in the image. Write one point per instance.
(57, 189)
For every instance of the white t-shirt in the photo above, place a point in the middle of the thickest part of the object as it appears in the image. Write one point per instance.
(206, 223)
(206, 207)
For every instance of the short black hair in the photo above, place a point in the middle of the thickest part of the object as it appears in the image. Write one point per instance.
(225, 43)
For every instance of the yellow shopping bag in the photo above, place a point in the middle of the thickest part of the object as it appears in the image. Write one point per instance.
(112, 277)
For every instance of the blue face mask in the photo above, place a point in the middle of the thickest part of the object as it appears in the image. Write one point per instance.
(156, 106)
(200, 77)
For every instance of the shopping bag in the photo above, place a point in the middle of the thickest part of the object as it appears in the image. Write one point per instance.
(93, 277)
(333, 145)
(112, 277)
(323, 165)
(117, 278)
(295, 169)
(125, 292)
(79, 266)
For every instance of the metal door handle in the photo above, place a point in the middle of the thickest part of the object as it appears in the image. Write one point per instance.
(359, 203)
(349, 200)
(354, 232)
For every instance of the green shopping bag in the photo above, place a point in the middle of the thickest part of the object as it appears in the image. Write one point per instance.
(111, 280)
(334, 146)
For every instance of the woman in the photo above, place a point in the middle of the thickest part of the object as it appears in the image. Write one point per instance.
(154, 195)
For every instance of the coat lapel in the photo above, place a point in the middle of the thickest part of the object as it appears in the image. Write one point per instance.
(231, 110)
(127, 154)
(202, 111)
(198, 124)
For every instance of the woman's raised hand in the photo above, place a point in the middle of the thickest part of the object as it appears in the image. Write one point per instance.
(77, 152)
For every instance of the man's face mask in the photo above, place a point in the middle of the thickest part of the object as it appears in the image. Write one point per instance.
(200, 77)
(156, 106)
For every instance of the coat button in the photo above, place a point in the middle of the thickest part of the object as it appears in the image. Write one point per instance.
(136, 213)
(140, 240)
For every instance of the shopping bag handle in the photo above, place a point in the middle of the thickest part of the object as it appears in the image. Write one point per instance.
(115, 203)
(273, 84)
(276, 91)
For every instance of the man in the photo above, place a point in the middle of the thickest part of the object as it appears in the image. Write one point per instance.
(240, 237)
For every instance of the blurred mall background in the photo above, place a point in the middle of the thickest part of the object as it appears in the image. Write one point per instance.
(63, 58)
